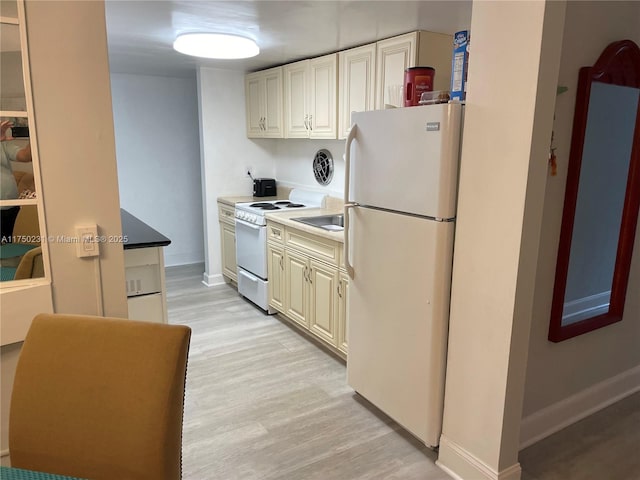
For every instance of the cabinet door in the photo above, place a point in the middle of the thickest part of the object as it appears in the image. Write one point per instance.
(296, 88)
(393, 56)
(356, 92)
(323, 109)
(296, 288)
(343, 308)
(149, 308)
(275, 269)
(323, 307)
(228, 244)
(253, 99)
(272, 117)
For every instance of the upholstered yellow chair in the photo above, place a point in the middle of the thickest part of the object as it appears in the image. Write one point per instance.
(31, 265)
(99, 398)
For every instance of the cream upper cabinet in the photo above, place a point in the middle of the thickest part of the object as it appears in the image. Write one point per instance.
(394, 55)
(296, 109)
(310, 98)
(357, 82)
(263, 97)
(323, 119)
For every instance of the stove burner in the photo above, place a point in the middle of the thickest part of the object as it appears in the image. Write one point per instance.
(295, 205)
(282, 202)
(265, 206)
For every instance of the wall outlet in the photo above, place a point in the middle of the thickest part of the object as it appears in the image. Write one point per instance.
(87, 244)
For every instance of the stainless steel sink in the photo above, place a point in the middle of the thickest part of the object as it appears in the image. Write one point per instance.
(327, 222)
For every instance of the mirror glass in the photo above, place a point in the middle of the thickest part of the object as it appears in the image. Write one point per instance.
(602, 186)
(12, 96)
(602, 196)
(20, 247)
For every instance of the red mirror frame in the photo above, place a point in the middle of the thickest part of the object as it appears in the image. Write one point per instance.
(619, 64)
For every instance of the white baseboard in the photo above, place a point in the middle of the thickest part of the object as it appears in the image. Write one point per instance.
(554, 418)
(179, 259)
(212, 280)
(463, 465)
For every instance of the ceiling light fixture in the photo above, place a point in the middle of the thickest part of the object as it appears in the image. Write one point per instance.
(216, 45)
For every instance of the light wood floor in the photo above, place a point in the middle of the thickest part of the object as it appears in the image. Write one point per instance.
(263, 402)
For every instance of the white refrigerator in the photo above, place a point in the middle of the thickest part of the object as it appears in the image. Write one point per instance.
(401, 177)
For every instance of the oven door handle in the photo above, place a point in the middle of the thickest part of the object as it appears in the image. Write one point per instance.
(247, 224)
(252, 278)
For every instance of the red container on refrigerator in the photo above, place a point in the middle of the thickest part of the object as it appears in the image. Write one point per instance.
(416, 81)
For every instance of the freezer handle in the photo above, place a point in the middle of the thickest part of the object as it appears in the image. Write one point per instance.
(347, 161)
(347, 259)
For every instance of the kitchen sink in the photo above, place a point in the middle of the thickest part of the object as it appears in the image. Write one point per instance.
(327, 222)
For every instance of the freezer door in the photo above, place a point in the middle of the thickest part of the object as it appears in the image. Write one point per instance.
(398, 316)
(406, 159)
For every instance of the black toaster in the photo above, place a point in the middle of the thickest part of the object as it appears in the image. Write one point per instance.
(264, 187)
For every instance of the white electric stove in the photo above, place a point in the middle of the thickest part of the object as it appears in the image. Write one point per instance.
(251, 241)
(253, 212)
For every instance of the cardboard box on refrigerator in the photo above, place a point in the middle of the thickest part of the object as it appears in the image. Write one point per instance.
(460, 65)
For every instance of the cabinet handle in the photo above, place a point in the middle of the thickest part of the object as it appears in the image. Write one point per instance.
(264, 123)
(311, 122)
(306, 125)
(339, 285)
(305, 274)
(281, 264)
(310, 276)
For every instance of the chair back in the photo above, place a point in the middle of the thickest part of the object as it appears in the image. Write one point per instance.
(99, 398)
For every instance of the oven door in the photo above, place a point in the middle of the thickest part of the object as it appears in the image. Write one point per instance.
(251, 248)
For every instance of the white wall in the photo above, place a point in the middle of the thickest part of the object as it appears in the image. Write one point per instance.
(158, 152)
(559, 373)
(226, 152)
(294, 160)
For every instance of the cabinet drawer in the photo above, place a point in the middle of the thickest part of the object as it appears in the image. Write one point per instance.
(146, 307)
(275, 232)
(226, 213)
(316, 247)
(135, 257)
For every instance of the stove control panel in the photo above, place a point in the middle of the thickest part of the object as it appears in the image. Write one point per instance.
(248, 217)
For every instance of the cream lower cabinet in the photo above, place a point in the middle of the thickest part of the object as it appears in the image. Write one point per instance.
(311, 295)
(306, 284)
(296, 295)
(145, 283)
(275, 267)
(323, 301)
(228, 242)
(343, 308)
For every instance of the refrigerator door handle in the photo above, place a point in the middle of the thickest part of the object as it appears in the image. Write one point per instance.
(347, 259)
(347, 161)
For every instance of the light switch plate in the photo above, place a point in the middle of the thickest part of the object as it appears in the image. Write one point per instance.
(87, 245)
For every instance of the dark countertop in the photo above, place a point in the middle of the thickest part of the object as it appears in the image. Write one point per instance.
(138, 234)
